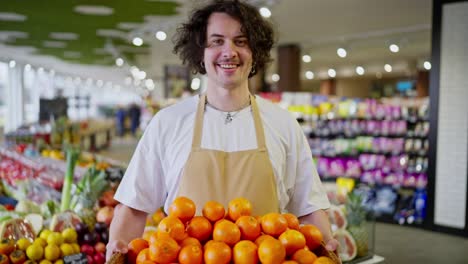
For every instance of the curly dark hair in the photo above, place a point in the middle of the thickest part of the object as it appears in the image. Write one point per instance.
(190, 38)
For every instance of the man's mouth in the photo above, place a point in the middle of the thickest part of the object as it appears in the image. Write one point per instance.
(228, 65)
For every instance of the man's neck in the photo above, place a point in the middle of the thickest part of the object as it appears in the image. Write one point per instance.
(228, 100)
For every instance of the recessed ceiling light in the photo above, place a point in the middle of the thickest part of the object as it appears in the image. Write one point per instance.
(161, 35)
(6, 16)
(309, 75)
(306, 58)
(119, 62)
(63, 35)
(12, 64)
(40, 70)
(94, 10)
(54, 44)
(341, 52)
(149, 84)
(360, 70)
(332, 73)
(275, 77)
(388, 68)
(394, 48)
(137, 41)
(265, 12)
(427, 65)
(27, 67)
(128, 25)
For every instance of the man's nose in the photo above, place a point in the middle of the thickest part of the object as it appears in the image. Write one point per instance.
(229, 50)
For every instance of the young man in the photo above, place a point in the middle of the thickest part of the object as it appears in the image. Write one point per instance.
(225, 143)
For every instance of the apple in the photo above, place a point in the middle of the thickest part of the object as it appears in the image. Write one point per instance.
(100, 247)
(105, 215)
(90, 259)
(99, 258)
(87, 249)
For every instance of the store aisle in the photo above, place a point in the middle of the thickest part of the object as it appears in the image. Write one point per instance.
(397, 244)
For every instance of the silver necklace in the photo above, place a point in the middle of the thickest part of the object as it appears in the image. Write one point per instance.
(230, 115)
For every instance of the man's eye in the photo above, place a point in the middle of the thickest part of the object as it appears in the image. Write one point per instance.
(241, 42)
(217, 41)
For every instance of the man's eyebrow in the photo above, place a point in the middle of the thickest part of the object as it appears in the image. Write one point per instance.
(214, 35)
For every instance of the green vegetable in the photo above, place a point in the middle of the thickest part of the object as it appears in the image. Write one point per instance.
(72, 157)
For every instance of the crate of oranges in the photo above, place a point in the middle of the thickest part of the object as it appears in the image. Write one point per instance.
(221, 236)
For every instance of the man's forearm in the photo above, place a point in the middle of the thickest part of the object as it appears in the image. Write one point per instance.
(127, 224)
(319, 218)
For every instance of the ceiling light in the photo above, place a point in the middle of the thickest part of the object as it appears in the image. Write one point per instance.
(427, 65)
(195, 85)
(332, 73)
(306, 58)
(128, 25)
(265, 12)
(360, 70)
(394, 48)
(63, 35)
(161, 35)
(40, 70)
(137, 41)
(12, 64)
(388, 68)
(119, 62)
(341, 52)
(27, 67)
(6, 16)
(54, 44)
(275, 77)
(141, 75)
(149, 84)
(94, 10)
(309, 75)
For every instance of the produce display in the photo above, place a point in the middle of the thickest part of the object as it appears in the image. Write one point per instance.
(227, 235)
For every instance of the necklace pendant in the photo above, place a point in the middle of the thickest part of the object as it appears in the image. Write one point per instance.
(228, 118)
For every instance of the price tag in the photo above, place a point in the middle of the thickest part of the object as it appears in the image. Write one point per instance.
(76, 259)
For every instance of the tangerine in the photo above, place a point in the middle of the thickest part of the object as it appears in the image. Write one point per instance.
(249, 227)
(191, 254)
(200, 228)
(143, 256)
(245, 252)
(238, 207)
(262, 238)
(324, 260)
(274, 224)
(304, 256)
(134, 248)
(190, 241)
(164, 250)
(290, 262)
(293, 221)
(213, 211)
(312, 235)
(292, 241)
(217, 252)
(271, 251)
(182, 208)
(226, 231)
(173, 226)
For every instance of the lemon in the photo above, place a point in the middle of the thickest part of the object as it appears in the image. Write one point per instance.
(35, 252)
(40, 241)
(66, 249)
(55, 238)
(69, 235)
(45, 261)
(45, 233)
(23, 243)
(60, 261)
(76, 248)
(52, 252)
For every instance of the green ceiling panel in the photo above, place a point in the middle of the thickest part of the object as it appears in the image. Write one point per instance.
(46, 16)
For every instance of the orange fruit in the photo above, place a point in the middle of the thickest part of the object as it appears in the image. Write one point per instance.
(200, 228)
(262, 238)
(324, 260)
(312, 235)
(173, 226)
(271, 251)
(217, 252)
(293, 221)
(182, 208)
(147, 262)
(227, 232)
(191, 254)
(304, 256)
(245, 252)
(143, 256)
(134, 248)
(249, 227)
(274, 224)
(292, 241)
(158, 215)
(213, 211)
(190, 241)
(290, 262)
(164, 250)
(238, 207)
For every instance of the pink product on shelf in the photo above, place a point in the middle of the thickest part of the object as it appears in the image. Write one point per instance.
(396, 112)
(399, 128)
(385, 127)
(371, 161)
(379, 176)
(421, 180)
(372, 127)
(337, 168)
(368, 177)
(380, 111)
(398, 163)
(353, 168)
(323, 165)
(409, 180)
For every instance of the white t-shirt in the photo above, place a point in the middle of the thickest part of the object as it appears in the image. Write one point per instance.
(152, 177)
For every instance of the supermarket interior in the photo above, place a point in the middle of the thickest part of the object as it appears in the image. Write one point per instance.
(376, 87)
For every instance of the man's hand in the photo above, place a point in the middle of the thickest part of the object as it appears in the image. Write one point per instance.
(116, 246)
(332, 245)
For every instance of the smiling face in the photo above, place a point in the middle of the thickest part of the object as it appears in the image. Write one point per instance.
(227, 56)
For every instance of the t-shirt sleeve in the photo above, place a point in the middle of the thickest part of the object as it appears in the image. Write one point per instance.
(308, 194)
(143, 187)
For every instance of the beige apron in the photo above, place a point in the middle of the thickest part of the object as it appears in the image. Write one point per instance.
(222, 176)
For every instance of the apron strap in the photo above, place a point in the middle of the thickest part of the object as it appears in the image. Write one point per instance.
(258, 124)
(198, 126)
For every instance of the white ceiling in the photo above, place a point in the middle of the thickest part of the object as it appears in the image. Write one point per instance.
(319, 27)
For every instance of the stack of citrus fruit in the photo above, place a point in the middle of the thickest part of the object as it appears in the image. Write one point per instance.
(232, 236)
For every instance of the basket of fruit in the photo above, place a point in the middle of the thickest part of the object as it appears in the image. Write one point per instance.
(227, 236)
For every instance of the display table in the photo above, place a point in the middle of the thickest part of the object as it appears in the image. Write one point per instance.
(97, 135)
